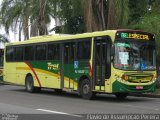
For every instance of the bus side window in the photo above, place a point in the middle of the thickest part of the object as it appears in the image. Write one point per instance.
(9, 54)
(84, 50)
(19, 54)
(69, 52)
(53, 52)
(29, 53)
(41, 52)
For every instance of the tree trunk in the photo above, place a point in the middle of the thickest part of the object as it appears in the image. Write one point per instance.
(117, 14)
(20, 30)
(112, 22)
(105, 14)
(26, 28)
(95, 17)
(41, 20)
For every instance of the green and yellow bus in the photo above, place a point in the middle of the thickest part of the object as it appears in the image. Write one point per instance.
(111, 61)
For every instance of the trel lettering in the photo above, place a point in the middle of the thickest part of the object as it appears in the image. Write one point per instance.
(52, 66)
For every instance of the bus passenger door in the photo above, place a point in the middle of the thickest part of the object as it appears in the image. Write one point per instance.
(101, 63)
(69, 49)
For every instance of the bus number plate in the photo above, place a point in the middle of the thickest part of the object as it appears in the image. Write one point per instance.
(139, 87)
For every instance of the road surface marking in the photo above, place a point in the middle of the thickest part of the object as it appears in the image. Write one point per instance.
(56, 112)
(142, 107)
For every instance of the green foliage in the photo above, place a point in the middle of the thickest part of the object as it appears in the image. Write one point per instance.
(148, 20)
(143, 19)
(70, 13)
(151, 23)
(24, 13)
(137, 9)
(117, 14)
(73, 25)
(11, 13)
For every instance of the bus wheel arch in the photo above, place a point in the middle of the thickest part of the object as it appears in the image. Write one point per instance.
(85, 88)
(29, 84)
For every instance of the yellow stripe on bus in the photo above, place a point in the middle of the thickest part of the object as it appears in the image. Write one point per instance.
(38, 70)
(22, 68)
(48, 73)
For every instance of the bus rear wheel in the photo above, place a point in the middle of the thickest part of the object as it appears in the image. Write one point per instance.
(85, 90)
(29, 85)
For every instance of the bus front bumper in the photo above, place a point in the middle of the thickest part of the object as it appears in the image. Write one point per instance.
(121, 87)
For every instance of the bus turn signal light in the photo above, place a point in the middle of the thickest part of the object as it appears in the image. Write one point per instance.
(125, 77)
(152, 78)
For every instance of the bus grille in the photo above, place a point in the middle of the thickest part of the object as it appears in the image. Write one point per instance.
(140, 78)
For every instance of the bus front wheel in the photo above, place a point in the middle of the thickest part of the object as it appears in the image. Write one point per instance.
(85, 90)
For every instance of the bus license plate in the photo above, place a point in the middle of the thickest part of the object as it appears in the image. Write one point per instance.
(139, 87)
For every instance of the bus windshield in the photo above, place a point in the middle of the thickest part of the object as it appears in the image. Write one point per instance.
(135, 55)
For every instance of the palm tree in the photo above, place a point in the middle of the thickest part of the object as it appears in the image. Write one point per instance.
(3, 39)
(34, 14)
(40, 16)
(15, 13)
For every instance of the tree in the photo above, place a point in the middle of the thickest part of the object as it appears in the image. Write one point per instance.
(118, 13)
(3, 39)
(95, 15)
(70, 13)
(137, 10)
(27, 13)
(15, 13)
(40, 16)
(148, 20)
(102, 14)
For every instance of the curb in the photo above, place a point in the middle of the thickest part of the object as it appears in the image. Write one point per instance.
(146, 95)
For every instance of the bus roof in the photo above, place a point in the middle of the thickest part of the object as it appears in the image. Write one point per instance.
(59, 37)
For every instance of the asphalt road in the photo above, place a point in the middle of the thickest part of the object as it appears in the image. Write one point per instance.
(48, 105)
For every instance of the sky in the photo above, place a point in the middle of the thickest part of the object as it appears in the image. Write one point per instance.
(13, 35)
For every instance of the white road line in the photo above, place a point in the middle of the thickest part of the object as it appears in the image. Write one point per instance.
(142, 107)
(156, 109)
(56, 112)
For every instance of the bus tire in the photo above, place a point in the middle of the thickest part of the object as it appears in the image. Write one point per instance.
(85, 90)
(121, 96)
(29, 85)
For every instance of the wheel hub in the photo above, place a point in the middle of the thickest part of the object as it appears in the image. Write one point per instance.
(29, 84)
(86, 89)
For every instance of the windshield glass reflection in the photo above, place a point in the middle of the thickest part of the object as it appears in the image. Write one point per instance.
(135, 55)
